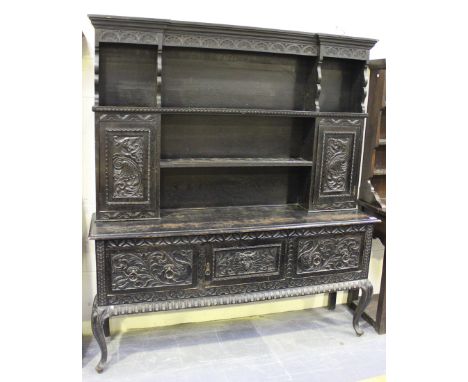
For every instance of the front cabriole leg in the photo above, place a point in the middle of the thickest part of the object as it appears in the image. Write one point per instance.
(366, 296)
(98, 317)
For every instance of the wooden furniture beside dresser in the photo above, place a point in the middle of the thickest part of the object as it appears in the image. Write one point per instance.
(372, 196)
(227, 165)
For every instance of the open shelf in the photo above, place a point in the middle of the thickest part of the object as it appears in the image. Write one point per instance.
(235, 139)
(234, 162)
(232, 186)
(341, 85)
(220, 78)
(127, 74)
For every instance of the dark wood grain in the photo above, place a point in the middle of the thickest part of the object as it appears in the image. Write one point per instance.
(231, 186)
(341, 85)
(210, 78)
(127, 75)
(215, 220)
(227, 162)
(227, 111)
(234, 162)
(233, 136)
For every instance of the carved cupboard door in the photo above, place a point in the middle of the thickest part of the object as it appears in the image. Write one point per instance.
(338, 153)
(126, 165)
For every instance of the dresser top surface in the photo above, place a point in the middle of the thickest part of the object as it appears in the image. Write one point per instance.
(202, 221)
(121, 22)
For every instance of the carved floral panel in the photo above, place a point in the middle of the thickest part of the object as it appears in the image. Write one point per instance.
(336, 164)
(247, 261)
(329, 253)
(127, 165)
(152, 269)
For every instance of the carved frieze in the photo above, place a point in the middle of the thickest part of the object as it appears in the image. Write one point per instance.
(133, 117)
(239, 43)
(151, 269)
(328, 254)
(229, 237)
(143, 306)
(128, 36)
(345, 52)
(116, 215)
(246, 261)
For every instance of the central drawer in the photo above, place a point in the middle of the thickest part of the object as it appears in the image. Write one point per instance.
(245, 262)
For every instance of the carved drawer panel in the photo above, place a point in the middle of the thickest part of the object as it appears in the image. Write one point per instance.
(329, 254)
(152, 267)
(247, 262)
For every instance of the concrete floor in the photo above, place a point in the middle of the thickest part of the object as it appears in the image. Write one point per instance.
(310, 345)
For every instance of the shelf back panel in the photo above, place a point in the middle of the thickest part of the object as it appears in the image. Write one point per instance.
(207, 136)
(220, 78)
(127, 75)
(341, 85)
(220, 187)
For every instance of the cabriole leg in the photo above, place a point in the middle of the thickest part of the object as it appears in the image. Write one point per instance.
(98, 317)
(365, 299)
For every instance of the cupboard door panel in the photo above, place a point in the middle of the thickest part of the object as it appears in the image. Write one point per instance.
(128, 175)
(337, 164)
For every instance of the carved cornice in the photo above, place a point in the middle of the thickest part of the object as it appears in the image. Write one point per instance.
(213, 36)
(345, 52)
(128, 36)
(238, 43)
(305, 42)
(198, 302)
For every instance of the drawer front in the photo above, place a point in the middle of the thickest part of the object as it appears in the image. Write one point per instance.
(174, 268)
(329, 254)
(246, 262)
(151, 268)
(136, 267)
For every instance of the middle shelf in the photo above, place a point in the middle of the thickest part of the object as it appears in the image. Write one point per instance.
(234, 162)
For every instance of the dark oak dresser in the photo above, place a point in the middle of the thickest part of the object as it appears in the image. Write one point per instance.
(227, 166)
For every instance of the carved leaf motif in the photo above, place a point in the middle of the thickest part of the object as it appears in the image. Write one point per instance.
(128, 36)
(127, 166)
(246, 261)
(151, 269)
(327, 254)
(336, 165)
(225, 42)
